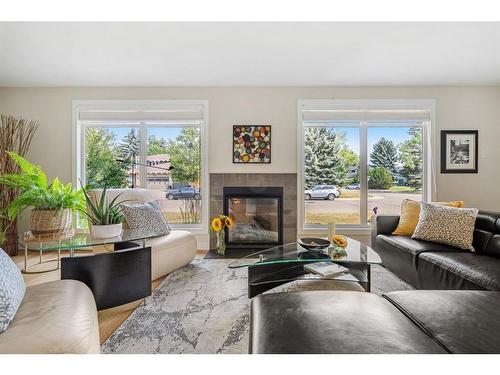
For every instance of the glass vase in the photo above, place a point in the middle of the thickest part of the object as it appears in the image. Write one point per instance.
(221, 242)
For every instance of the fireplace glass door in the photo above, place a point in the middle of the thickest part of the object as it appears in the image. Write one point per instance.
(255, 220)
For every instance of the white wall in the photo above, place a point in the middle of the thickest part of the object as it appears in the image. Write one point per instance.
(457, 108)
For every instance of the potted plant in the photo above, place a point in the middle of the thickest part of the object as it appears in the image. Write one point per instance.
(105, 216)
(52, 203)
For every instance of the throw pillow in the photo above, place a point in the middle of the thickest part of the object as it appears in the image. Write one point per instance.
(410, 212)
(448, 225)
(145, 216)
(12, 289)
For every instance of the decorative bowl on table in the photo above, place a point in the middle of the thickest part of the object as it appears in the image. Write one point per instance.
(313, 244)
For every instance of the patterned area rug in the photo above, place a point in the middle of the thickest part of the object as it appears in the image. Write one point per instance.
(204, 308)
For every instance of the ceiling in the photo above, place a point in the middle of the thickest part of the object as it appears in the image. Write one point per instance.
(249, 54)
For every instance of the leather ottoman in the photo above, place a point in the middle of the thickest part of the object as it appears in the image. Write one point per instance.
(336, 322)
(326, 322)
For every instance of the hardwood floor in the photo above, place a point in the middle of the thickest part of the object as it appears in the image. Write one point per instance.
(109, 319)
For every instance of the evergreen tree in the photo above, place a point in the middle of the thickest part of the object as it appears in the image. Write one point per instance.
(323, 158)
(130, 149)
(384, 154)
(411, 158)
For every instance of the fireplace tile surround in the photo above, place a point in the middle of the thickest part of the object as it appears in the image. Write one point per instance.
(288, 181)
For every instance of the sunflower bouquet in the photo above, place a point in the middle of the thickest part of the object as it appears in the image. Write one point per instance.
(219, 223)
(337, 248)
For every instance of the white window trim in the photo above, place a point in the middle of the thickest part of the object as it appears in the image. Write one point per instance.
(429, 140)
(78, 146)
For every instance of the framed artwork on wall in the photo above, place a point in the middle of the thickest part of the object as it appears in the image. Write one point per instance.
(459, 151)
(252, 144)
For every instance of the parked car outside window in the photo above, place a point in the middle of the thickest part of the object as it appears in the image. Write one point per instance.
(329, 192)
(353, 187)
(183, 193)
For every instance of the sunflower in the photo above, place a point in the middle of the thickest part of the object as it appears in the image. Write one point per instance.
(339, 240)
(216, 224)
(229, 222)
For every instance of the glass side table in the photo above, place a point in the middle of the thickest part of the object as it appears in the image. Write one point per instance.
(71, 241)
(40, 243)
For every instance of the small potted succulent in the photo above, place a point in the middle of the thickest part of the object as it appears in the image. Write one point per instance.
(104, 215)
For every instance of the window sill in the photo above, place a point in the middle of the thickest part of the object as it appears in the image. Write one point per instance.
(192, 229)
(344, 229)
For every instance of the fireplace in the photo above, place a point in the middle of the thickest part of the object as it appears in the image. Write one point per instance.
(257, 214)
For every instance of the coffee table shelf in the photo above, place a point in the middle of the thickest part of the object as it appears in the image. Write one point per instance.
(279, 265)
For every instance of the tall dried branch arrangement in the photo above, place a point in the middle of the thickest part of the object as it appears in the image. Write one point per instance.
(16, 135)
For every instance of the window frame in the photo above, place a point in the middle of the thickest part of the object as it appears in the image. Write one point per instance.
(78, 140)
(428, 151)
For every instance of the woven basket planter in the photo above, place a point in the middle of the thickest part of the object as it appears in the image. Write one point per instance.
(50, 222)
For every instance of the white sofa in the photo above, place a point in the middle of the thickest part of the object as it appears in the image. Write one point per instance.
(169, 252)
(54, 318)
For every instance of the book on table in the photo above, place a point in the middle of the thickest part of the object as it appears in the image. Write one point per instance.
(326, 269)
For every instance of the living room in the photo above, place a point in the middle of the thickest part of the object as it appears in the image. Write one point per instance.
(249, 187)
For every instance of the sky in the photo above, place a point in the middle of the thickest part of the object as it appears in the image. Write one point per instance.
(395, 133)
(167, 133)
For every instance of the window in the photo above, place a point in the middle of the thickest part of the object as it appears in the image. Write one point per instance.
(360, 158)
(156, 145)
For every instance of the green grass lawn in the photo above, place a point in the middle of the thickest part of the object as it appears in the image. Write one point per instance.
(402, 188)
(173, 217)
(325, 218)
(344, 193)
(341, 218)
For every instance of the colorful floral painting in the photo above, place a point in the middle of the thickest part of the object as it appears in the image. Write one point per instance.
(251, 144)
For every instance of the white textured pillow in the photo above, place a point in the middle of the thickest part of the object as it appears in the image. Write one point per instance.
(145, 216)
(448, 225)
(12, 290)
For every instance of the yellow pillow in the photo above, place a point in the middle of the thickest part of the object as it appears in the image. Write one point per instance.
(410, 212)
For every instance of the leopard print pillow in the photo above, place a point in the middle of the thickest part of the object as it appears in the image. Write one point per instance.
(448, 225)
(146, 217)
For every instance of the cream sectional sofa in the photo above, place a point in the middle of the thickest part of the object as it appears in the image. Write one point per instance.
(54, 318)
(169, 252)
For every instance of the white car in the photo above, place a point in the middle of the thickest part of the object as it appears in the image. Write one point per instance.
(329, 192)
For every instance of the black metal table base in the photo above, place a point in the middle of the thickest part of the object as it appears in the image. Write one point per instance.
(264, 277)
(114, 278)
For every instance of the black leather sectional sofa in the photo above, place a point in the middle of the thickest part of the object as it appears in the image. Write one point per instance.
(451, 318)
(428, 265)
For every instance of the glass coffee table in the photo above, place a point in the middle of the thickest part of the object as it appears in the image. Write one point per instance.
(279, 265)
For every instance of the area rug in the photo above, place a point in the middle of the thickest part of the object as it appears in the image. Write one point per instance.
(203, 308)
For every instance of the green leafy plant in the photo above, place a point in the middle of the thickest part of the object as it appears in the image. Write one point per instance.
(36, 192)
(102, 211)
